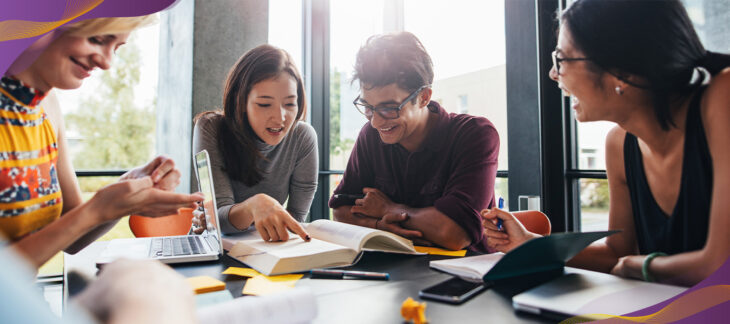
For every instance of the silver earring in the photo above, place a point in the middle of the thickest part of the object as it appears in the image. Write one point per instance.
(619, 91)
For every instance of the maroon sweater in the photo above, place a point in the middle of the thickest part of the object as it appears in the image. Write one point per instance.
(454, 171)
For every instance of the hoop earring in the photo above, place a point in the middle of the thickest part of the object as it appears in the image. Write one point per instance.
(619, 91)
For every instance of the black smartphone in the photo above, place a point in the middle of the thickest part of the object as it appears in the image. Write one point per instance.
(453, 291)
(350, 197)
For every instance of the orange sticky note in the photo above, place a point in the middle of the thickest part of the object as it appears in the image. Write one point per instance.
(438, 251)
(204, 284)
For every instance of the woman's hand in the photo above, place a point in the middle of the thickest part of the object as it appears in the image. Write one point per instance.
(138, 196)
(629, 267)
(271, 219)
(162, 171)
(512, 235)
(374, 204)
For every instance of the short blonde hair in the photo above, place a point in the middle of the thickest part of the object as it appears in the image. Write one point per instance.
(110, 25)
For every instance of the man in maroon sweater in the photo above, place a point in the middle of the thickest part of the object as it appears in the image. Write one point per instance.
(425, 173)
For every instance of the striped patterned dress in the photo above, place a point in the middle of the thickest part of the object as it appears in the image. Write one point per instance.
(30, 195)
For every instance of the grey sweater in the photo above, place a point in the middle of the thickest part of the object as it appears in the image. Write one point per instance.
(289, 171)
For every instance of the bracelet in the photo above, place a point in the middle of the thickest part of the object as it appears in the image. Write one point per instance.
(645, 267)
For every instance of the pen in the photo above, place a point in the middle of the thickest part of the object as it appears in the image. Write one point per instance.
(340, 274)
(350, 196)
(499, 220)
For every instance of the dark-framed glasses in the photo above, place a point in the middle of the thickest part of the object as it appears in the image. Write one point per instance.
(557, 60)
(385, 111)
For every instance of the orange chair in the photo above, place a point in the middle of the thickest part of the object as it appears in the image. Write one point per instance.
(175, 224)
(534, 221)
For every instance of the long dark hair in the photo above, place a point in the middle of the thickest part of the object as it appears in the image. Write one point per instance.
(236, 138)
(654, 40)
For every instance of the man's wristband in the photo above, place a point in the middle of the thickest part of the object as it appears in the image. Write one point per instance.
(645, 267)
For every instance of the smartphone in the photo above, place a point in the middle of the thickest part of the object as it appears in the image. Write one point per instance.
(350, 197)
(453, 291)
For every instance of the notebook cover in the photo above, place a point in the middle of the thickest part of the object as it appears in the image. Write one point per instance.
(547, 253)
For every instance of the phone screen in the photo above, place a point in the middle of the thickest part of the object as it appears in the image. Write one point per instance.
(454, 290)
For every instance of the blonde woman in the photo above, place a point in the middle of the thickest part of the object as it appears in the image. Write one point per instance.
(41, 210)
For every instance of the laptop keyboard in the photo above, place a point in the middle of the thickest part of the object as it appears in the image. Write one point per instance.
(176, 246)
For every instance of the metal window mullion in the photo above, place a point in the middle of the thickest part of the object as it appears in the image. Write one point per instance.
(316, 67)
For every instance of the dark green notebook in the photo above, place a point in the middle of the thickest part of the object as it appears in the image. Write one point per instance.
(543, 254)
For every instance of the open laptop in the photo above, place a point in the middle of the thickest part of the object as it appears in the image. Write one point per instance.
(176, 249)
(583, 292)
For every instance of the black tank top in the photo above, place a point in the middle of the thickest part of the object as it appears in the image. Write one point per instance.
(686, 229)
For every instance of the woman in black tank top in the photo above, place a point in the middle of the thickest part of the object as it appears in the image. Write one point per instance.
(641, 65)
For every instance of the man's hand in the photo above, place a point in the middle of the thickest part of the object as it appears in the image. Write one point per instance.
(374, 204)
(392, 223)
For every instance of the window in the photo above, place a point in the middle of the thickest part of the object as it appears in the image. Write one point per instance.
(466, 41)
(351, 23)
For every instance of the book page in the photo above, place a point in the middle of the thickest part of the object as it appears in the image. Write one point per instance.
(388, 242)
(340, 233)
(294, 247)
(470, 268)
(292, 306)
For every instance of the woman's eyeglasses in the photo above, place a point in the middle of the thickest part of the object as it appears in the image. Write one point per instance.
(557, 60)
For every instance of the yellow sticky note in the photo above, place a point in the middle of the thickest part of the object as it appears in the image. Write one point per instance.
(243, 272)
(289, 279)
(438, 251)
(266, 285)
(204, 284)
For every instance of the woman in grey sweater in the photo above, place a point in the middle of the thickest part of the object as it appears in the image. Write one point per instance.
(261, 153)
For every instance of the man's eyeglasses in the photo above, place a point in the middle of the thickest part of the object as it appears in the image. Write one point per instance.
(387, 112)
(557, 60)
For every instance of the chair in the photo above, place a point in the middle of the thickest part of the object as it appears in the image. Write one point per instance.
(175, 224)
(534, 221)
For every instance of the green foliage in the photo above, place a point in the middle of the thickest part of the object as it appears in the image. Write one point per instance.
(116, 133)
(594, 193)
(337, 145)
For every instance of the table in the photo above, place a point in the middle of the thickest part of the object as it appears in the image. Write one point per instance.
(353, 301)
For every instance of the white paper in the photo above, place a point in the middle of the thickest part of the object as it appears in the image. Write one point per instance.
(296, 306)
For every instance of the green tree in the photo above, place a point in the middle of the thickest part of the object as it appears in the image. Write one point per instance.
(594, 193)
(337, 145)
(117, 134)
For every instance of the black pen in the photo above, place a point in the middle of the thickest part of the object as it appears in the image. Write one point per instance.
(350, 196)
(341, 274)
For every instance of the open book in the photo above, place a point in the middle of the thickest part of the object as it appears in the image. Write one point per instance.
(333, 244)
(543, 254)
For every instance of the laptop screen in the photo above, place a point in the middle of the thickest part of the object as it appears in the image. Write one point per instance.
(205, 183)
